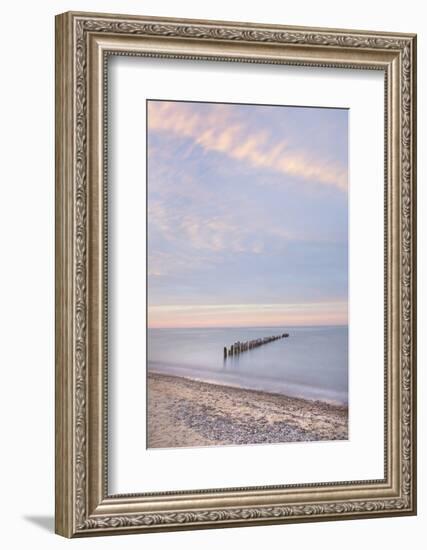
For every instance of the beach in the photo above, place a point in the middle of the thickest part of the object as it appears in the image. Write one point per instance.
(189, 413)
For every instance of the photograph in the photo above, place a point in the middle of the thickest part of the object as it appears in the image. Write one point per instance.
(247, 274)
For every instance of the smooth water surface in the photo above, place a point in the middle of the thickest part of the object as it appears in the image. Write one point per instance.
(311, 363)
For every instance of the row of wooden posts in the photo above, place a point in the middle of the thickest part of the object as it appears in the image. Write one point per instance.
(239, 347)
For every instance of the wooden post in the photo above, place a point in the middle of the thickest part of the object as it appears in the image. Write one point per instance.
(239, 347)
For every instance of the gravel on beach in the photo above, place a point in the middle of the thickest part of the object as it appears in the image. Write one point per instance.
(189, 413)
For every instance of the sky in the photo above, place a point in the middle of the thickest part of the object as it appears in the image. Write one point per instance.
(247, 215)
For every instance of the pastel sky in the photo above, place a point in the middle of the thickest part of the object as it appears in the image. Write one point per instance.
(247, 215)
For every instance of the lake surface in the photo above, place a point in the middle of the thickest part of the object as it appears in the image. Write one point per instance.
(311, 363)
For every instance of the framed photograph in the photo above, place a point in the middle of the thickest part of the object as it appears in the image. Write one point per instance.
(235, 274)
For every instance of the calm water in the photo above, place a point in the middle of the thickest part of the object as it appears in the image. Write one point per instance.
(311, 363)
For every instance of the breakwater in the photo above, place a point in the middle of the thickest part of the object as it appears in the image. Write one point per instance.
(239, 347)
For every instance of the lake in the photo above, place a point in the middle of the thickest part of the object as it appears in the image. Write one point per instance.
(311, 363)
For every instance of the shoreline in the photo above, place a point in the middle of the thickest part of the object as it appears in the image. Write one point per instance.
(266, 393)
(183, 412)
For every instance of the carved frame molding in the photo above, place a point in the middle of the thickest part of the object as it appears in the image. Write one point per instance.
(83, 42)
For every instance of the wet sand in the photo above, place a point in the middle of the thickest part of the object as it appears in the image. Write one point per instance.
(188, 413)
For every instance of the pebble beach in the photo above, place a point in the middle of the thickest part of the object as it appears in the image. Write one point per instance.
(188, 413)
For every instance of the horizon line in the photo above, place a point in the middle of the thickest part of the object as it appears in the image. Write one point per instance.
(250, 326)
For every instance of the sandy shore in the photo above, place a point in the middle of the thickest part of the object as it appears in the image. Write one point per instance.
(187, 413)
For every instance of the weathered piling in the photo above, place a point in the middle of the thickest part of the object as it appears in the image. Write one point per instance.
(239, 347)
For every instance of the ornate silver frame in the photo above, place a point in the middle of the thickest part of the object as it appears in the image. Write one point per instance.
(83, 42)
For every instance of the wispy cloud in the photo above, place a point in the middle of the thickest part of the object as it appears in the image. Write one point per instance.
(218, 129)
(174, 262)
(333, 313)
(247, 215)
(219, 233)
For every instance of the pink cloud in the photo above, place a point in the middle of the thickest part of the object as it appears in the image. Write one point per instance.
(167, 316)
(218, 130)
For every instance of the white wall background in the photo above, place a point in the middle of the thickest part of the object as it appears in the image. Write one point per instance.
(27, 273)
